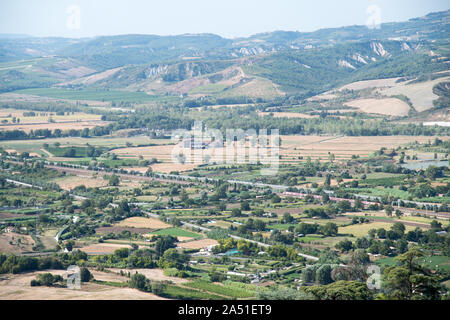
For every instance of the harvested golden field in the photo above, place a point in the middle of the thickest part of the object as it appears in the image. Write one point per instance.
(291, 148)
(151, 274)
(387, 106)
(52, 126)
(15, 243)
(169, 167)
(180, 239)
(141, 222)
(44, 117)
(198, 244)
(108, 276)
(360, 230)
(381, 213)
(71, 182)
(342, 147)
(103, 248)
(17, 287)
(163, 153)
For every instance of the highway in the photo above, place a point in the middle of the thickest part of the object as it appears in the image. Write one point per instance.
(182, 179)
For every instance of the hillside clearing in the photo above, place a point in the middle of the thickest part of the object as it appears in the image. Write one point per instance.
(420, 94)
(388, 106)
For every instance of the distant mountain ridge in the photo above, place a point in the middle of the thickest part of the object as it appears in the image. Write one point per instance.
(263, 65)
(134, 49)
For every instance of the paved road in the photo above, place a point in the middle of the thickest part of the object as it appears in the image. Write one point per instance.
(23, 184)
(180, 179)
(185, 180)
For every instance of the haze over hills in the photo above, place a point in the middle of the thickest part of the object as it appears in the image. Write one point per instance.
(264, 66)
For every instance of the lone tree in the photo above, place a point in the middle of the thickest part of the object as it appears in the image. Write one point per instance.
(114, 180)
(85, 275)
(140, 282)
(323, 274)
(388, 210)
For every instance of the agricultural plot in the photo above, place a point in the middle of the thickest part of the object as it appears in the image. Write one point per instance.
(103, 248)
(71, 182)
(161, 153)
(420, 94)
(118, 230)
(75, 151)
(177, 232)
(360, 230)
(48, 238)
(198, 244)
(221, 289)
(141, 222)
(376, 83)
(177, 292)
(437, 262)
(171, 167)
(291, 148)
(15, 243)
(17, 287)
(75, 125)
(432, 262)
(29, 98)
(388, 106)
(155, 274)
(96, 95)
(44, 117)
(342, 147)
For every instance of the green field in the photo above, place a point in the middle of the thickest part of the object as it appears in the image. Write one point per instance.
(96, 95)
(221, 289)
(381, 191)
(176, 292)
(434, 262)
(104, 142)
(108, 163)
(282, 226)
(78, 152)
(441, 262)
(177, 232)
(310, 238)
(361, 230)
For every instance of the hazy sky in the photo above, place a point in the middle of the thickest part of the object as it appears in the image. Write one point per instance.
(228, 18)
